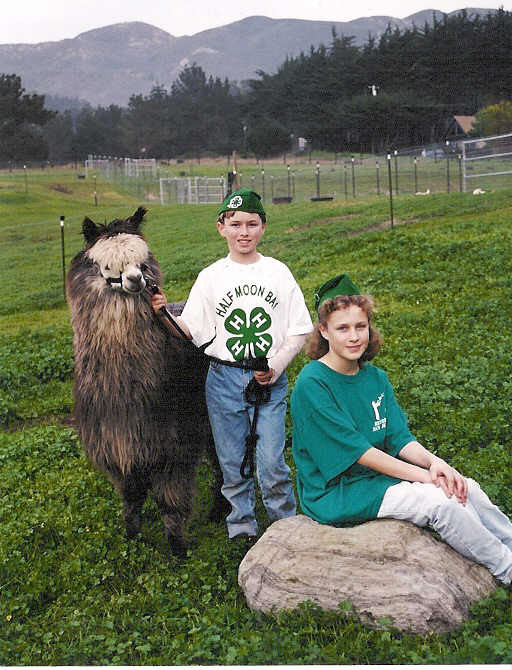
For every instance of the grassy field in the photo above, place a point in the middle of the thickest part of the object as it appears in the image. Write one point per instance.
(73, 591)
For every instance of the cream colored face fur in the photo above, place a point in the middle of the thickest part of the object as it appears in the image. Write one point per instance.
(121, 256)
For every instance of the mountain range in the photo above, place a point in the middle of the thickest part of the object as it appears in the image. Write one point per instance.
(107, 65)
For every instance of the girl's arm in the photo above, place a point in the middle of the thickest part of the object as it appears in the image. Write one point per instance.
(422, 467)
(394, 467)
(442, 474)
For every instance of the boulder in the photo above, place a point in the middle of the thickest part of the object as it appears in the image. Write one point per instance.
(384, 568)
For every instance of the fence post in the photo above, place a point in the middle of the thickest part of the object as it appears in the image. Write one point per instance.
(390, 189)
(288, 168)
(345, 180)
(353, 177)
(263, 184)
(396, 171)
(272, 186)
(317, 179)
(459, 157)
(63, 256)
(378, 177)
(415, 174)
(447, 173)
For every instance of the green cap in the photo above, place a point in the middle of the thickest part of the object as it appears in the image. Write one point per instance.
(340, 285)
(243, 200)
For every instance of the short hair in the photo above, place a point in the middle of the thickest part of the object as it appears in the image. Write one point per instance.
(230, 212)
(317, 346)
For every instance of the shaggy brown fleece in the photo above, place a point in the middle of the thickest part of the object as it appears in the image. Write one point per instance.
(138, 392)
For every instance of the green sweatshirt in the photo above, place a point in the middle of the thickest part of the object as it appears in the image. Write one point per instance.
(336, 419)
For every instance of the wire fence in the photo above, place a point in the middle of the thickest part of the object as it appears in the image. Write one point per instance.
(440, 169)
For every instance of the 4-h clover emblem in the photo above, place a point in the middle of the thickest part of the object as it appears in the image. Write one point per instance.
(251, 340)
(235, 201)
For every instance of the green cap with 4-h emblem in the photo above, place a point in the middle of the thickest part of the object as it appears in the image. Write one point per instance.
(243, 200)
(340, 285)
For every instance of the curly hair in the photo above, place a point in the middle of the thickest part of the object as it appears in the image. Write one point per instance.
(317, 346)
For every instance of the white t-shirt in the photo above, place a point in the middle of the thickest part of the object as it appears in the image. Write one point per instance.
(250, 309)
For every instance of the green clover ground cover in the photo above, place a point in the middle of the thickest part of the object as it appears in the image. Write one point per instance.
(74, 591)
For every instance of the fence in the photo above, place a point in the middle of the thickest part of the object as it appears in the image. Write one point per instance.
(192, 190)
(486, 159)
(110, 168)
(359, 177)
(484, 163)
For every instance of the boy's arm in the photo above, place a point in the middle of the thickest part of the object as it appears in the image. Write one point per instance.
(158, 301)
(282, 359)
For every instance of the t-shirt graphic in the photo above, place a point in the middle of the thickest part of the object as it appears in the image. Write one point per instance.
(245, 311)
(251, 339)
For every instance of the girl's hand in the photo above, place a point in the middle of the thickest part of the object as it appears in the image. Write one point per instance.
(451, 481)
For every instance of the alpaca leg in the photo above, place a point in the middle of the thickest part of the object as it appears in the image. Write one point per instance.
(220, 507)
(134, 492)
(173, 494)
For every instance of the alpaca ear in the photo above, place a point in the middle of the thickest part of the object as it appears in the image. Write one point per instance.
(90, 230)
(137, 217)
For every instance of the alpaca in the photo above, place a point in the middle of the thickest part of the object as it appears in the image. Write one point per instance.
(138, 392)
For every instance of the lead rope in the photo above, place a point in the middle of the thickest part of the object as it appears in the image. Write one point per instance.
(255, 394)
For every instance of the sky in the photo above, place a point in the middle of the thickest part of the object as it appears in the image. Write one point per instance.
(33, 21)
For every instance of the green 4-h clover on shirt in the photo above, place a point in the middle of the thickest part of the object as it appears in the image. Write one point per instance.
(251, 340)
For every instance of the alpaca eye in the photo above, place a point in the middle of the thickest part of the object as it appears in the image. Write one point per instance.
(143, 267)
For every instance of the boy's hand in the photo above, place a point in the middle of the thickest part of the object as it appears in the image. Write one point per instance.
(158, 301)
(264, 378)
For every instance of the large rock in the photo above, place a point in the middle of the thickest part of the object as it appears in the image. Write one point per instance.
(384, 568)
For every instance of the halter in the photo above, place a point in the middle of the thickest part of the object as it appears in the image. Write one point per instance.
(115, 280)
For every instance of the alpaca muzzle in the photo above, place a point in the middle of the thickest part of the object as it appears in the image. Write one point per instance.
(131, 283)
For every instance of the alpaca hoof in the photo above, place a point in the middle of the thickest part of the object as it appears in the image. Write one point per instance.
(219, 511)
(177, 547)
(132, 528)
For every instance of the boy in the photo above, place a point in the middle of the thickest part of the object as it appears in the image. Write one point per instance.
(252, 310)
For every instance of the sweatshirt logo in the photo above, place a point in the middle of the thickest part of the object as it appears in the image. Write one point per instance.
(250, 337)
(379, 423)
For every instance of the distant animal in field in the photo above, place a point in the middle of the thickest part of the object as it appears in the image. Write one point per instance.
(427, 192)
(138, 392)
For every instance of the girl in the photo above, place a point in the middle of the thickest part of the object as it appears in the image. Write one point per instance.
(356, 458)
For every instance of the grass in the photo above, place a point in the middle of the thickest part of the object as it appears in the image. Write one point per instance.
(73, 591)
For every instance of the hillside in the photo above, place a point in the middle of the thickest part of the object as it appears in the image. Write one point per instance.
(107, 65)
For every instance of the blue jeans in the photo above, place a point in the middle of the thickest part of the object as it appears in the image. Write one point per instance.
(477, 530)
(230, 415)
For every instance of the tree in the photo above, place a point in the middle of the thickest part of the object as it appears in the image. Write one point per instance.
(99, 131)
(493, 120)
(22, 117)
(267, 137)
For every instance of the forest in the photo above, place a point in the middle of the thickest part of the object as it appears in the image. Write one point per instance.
(396, 91)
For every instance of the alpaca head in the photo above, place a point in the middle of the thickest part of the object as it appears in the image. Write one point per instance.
(119, 251)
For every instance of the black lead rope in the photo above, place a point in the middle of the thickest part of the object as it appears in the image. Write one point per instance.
(255, 394)
(163, 310)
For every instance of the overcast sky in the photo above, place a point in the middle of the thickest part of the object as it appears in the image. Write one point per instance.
(30, 21)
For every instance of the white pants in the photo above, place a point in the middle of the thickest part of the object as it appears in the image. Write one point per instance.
(477, 530)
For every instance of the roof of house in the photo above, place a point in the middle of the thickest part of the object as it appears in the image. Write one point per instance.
(465, 122)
